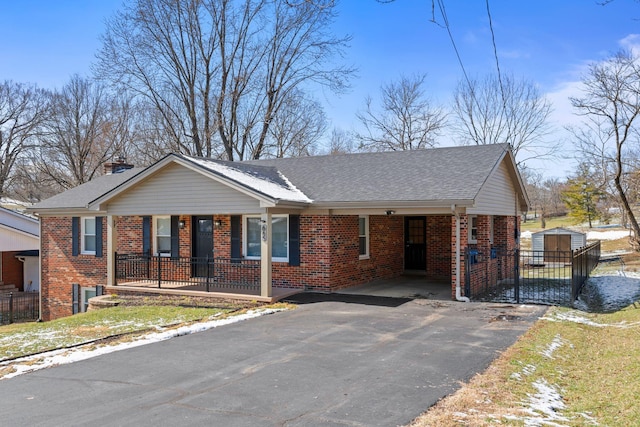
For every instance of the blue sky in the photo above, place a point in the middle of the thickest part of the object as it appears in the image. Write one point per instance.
(547, 41)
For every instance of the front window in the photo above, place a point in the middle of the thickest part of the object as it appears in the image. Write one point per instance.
(363, 236)
(473, 229)
(162, 235)
(279, 237)
(89, 235)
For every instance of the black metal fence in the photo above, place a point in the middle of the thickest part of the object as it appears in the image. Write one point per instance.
(526, 276)
(19, 307)
(209, 274)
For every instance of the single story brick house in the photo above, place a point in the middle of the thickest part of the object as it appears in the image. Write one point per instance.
(260, 228)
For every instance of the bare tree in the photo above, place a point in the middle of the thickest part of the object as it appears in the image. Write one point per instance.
(86, 127)
(22, 108)
(218, 71)
(610, 108)
(504, 110)
(297, 128)
(406, 121)
(340, 142)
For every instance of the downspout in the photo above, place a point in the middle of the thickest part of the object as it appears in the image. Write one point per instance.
(459, 296)
(40, 252)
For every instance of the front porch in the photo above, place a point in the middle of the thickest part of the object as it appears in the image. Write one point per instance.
(228, 278)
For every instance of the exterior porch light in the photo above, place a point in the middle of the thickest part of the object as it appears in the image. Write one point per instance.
(390, 212)
(217, 223)
(181, 224)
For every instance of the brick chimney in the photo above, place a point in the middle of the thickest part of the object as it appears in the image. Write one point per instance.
(119, 165)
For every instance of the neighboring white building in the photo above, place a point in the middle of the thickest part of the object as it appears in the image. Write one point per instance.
(19, 244)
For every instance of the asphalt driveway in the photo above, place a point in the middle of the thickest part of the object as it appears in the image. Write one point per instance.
(340, 360)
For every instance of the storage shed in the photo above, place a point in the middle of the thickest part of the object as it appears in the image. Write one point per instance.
(557, 240)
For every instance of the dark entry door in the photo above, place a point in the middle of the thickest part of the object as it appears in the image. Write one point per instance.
(415, 252)
(202, 242)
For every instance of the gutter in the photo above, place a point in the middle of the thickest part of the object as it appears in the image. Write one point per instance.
(459, 296)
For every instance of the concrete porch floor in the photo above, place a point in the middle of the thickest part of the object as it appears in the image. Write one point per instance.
(406, 286)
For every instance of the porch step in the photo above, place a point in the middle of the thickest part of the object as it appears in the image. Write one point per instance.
(6, 288)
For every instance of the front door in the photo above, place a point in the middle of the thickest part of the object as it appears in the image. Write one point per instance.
(415, 252)
(202, 242)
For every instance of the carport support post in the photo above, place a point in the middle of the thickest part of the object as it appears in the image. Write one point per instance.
(112, 246)
(265, 255)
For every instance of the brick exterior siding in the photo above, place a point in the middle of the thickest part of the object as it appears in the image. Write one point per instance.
(60, 268)
(329, 252)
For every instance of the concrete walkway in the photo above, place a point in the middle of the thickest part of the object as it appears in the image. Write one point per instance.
(349, 360)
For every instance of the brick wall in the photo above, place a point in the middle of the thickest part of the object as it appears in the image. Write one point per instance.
(439, 239)
(60, 269)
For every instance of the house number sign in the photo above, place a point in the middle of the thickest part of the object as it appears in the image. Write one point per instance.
(264, 231)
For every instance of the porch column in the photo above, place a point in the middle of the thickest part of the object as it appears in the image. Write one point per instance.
(265, 255)
(112, 246)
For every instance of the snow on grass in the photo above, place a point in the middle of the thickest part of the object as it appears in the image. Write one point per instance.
(545, 405)
(610, 292)
(592, 234)
(552, 347)
(65, 356)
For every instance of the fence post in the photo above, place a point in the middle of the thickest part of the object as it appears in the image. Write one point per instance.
(208, 271)
(10, 307)
(159, 270)
(516, 270)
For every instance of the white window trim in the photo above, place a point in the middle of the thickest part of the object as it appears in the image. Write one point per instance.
(84, 251)
(155, 234)
(245, 236)
(367, 254)
(470, 224)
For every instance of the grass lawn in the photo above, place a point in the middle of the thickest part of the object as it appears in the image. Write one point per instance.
(134, 317)
(572, 368)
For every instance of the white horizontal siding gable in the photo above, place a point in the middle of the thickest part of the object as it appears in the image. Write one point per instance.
(176, 189)
(498, 195)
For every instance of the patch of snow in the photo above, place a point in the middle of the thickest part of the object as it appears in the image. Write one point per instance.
(264, 186)
(525, 234)
(66, 356)
(545, 406)
(607, 235)
(610, 292)
(552, 347)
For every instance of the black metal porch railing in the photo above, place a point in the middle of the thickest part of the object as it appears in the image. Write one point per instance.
(19, 307)
(209, 274)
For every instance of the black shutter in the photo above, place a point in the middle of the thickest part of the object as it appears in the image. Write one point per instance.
(75, 298)
(294, 240)
(175, 238)
(99, 237)
(235, 236)
(75, 236)
(146, 235)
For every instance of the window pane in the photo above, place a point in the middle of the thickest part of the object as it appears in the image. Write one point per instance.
(90, 226)
(164, 244)
(253, 237)
(163, 226)
(279, 231)
(363, 245)
(90, 243)
(362, 226)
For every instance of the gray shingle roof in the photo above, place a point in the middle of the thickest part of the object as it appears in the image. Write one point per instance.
(80, 196)
(433, 175)
(437, 174)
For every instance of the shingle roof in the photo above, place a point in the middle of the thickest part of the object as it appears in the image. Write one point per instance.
(80, 196)
(432, 175)
(437, 174)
